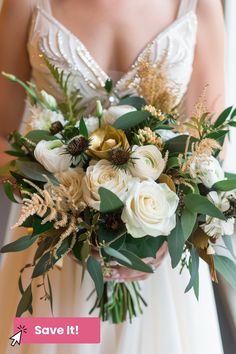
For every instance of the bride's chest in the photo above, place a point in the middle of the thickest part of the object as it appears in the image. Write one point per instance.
(65, 50)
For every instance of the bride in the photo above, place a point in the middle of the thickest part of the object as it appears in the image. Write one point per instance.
(95, 40)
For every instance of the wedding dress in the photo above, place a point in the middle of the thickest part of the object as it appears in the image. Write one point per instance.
(173, 322)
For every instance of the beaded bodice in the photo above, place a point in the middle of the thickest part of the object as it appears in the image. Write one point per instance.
(65, 50)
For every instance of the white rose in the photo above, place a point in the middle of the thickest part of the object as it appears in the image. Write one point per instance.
(42, 119)
(49, 100)
(215, 227)
(103, 174)
(147, 162)
(51, 154)
(111, 114)
(150, 209)
(92, 123)
(166, 134)
(206, 169)
(71, 179)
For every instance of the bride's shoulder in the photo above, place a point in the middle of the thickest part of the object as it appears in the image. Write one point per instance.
(15, 8)
(17, 12)
(209, 8)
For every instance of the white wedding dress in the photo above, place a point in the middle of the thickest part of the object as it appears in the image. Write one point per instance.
(173, 322)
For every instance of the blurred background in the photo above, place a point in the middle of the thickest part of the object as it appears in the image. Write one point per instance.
(225, 297)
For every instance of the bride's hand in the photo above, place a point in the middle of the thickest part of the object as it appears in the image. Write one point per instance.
(121, 273)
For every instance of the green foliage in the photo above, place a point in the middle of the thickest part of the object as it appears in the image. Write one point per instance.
(35, 171)
(188, 220)
(178, 144)
(227, 268)
(116, 254)
(37, 135)
(72, 98)
(199, 204)
(20, 244)
(146, 246)
(9, 190)
(109, 201)
(95, 270)
(223, 117)
(25, 302)
(225, 185)
(131, 120)
(135, 101)
(108, 85)
(82, 128)
(47, 260)
(194, 271)
(136, 262)
(176, 241)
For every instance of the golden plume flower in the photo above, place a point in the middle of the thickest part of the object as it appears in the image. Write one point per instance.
(106, 139)
(152, 83)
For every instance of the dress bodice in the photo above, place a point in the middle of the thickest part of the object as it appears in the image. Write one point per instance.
(62, 48)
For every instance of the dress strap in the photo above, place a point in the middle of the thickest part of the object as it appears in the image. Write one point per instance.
(45, 5)
(187, 6)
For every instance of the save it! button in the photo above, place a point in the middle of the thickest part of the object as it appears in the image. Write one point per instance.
(62, 330)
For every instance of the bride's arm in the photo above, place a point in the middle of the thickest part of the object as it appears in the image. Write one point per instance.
(14, 26)
(208, 67)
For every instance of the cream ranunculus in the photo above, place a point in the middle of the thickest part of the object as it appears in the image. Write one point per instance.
(42, 118)
(215, 227)
(103, 174)
(206, 169)
(147, 162)
(71, 179)
(51, 154)
(111, 114)
(149, 209)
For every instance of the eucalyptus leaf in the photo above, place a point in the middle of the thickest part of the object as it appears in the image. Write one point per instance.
(225, 185)
(229, 245)
(176, 241)
(130, 120)
(178, 144)
(146, 246)
(47, 260)
(35, 171)
(15, 153)
(194, 270)
(188, 220)
(136, 262)
(135, 101)
(222, 117)
(20, 244)
(172, 163)
(109, 201)
(232, 124)
(95, 270)
(25, 302)
(50, 293)
(116, 254)
(37, 135)
(9, 190)
(202, 205)
(227, 268)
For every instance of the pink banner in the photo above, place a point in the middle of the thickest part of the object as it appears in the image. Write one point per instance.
(56, 330)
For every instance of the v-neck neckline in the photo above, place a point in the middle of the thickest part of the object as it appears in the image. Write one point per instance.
(141, 53)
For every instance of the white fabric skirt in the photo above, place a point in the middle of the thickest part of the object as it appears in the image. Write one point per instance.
(173, 322)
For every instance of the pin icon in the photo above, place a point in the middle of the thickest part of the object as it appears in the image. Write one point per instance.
(16, 338)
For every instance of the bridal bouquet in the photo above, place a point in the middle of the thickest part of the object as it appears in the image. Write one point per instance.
(121, 181)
